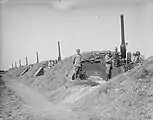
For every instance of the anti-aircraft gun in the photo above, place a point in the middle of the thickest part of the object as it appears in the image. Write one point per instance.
(120, 57)
(98, 60)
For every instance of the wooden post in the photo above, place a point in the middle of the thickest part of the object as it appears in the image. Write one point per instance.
(20, 63)
(12, 65)
(37, 57)
(26, 61)
(15, 65)
(59, 52)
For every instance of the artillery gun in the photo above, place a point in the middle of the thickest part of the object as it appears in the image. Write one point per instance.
(120, 59)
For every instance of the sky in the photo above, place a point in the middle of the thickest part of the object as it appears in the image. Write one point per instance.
(28, 26)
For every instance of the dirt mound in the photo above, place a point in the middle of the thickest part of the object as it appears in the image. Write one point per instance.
(55, 77)
(128, 96)
(13, 107)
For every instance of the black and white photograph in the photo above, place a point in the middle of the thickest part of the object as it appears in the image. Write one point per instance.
(76, 59)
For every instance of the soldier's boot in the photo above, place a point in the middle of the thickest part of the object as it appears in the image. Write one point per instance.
(110, 75)
(76, 76)
(107, 76)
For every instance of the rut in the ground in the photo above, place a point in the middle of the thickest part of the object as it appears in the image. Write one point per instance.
(38, 102)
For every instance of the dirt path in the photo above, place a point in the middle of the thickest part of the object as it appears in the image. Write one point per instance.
(80, 93)
(38, 103)
(42, 106)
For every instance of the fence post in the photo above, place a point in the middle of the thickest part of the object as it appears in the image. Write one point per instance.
(59, 52)
(15, 65)
(20, 63)
(26, 61)
(37, 57)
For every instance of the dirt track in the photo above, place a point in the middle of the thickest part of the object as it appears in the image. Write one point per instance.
(128, 96)
(39, 104)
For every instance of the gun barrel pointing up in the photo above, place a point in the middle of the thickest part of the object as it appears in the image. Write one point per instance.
(123, 45)
(122, 30)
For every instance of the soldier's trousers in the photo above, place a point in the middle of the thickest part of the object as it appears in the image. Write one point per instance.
(108, 71)
(77, 71)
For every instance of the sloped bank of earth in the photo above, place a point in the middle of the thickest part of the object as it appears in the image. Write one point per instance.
(55, 77)
(20, 102)
(128, 96)
(12, 106)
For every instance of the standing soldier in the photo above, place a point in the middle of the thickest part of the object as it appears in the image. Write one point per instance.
(55, 61)
(92, 57)
(138, 58)
(128, 64)
(116, 57)
(108, 59)
(49, 64)
(129, 55)
(77, 63)
(133, 57)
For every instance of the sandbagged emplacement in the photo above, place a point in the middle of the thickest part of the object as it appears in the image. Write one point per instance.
(99, 69)
(56, 76)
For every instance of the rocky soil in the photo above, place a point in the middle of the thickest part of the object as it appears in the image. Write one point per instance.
(128, 96)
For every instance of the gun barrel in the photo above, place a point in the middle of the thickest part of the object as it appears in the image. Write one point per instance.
(123, 45)
(122, 30)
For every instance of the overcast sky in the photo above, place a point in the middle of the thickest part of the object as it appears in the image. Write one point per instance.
(36, 25)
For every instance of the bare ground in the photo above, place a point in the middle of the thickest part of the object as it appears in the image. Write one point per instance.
(128, 96)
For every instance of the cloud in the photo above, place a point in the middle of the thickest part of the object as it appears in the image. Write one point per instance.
(65, 5)
(3, 1)
(87, 4)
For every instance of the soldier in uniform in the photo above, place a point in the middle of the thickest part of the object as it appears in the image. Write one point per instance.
(49, 64)
(128, 64)
(92, 58)
(116, 58)
(108, 59)
(133, 56)
(55, 61)
(138, 58)
(77, 63)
